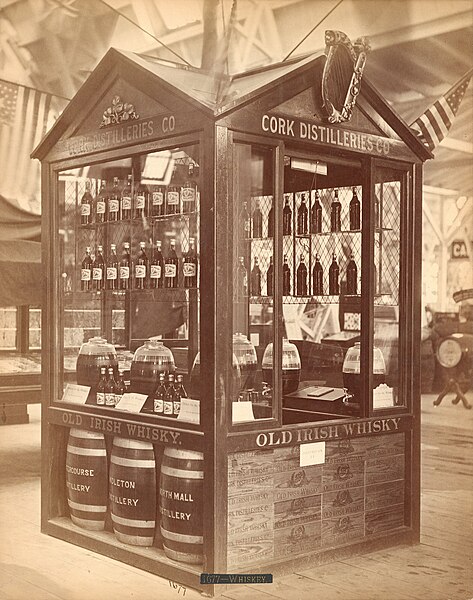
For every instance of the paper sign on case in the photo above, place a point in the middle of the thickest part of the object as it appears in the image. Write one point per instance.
(312, 454)
(75, 394)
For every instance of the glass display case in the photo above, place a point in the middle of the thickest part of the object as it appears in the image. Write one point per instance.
(230, 323)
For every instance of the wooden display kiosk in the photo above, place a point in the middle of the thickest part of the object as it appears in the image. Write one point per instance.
(268, 234)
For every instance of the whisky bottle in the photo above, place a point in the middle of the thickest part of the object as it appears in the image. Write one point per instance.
(316, 215)
(157, 201)
(242, 279)
(189, 191)
(301, 278)
(100, 398)
(112, 269)
(271, 221)
(86, 271)
(270, 278)
(169, 397)
(101, 203)
(86, 205)
(140, 202)
(110, 388)
(333, 277)
(257, 222)
(113, 212)
(141, 268)
(255, 279)
(287, 218)
(355, 211)
(156, 269)
(120, 387)
(125, 268)
(158, 397)
(172, 200)
(179, 394)
(171, 267)
(317, 278)
(98, 270)
(190, 266)
(352, 277)
(302, 217)
(286, 277)
(336, 214)
(125, 200)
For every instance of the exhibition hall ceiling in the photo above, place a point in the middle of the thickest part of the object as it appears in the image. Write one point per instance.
(419, 48)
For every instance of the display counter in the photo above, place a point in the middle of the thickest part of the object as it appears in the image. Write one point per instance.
(233, 282)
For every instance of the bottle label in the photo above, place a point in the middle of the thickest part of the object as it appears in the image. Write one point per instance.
(110, 399)
(140, 271)
(101, 398)
(100, 208)
(97, 273)
(173, 198)
(177, 407)
(168, 407)
(113, 205)
(111, 272)
(118, 397)
(85, 275)
(170, 270)
(188, 194)
(155, 272)
(189, 269)
(139, 202)
(126, 203)
(124, 272)
(85, 210)
(158, 405)
(158, 198)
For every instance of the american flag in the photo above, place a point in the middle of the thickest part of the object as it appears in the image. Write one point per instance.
(434, 124)
(25, 115)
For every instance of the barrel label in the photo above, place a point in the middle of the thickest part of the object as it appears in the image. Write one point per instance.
(78, 487)
(183, 497)
(174, 514)
(124, 501)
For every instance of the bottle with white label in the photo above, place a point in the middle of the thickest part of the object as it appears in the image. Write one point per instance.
(125, 268)
(112, 269)
(156, 268)
(159, 394)
(98, 270)
(120, 387)
(173, 200)
(189, 192)
(171, 265)
(110, 388)
(190, 266)
(157, 201)
(100, 398)
(113, 212)
(125, 200)
(101, 203)
(141, 268)
(141, 202)
(86, 204)
(86, 272)
(169, 396)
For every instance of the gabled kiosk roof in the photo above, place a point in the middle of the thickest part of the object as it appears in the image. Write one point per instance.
(179, 87)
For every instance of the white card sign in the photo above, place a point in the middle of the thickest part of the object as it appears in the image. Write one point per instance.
(75, 394)
(190, 411)
(132, 402)
(242, 411)
(312, 454)
(383, 396)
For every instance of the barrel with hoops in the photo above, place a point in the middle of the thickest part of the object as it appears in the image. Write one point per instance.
(181, 500)
(132, 491)
(86, 478)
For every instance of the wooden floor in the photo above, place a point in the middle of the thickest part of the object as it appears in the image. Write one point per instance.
(34, 566)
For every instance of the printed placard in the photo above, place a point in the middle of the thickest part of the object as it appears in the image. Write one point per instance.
(383, 396)
(132, 402)
(312, 454)
(190, 411)
(242, 411)
(75, 394)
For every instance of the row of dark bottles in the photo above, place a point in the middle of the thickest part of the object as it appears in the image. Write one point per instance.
(125, 200)
(110, 390)
(142, 272)
(302, 286)
(304, 225)
(167, 396)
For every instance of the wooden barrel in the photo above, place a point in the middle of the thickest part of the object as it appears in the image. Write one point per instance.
(132, 491)
(86, 478)
(181, 499)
